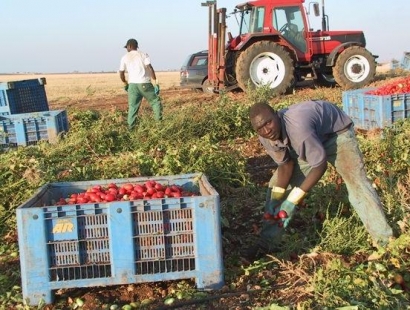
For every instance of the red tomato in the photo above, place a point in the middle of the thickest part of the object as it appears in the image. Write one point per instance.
(113, 191)
(282, 214)
(128, 187)
(151, 190)
(175, 188)
(94, 197)
(150, 183)
(82, 200)
(110, 197)
(176, 194)
(160, 194)
(139, 188)
(112, 185)
(268, 216)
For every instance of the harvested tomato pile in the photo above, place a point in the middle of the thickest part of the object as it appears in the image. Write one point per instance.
(112, 192)
(401, 86)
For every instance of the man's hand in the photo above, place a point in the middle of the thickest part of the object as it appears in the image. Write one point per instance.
(273, 207)
(156, 89)
(288, 207)
(275, 200)
(286, 211)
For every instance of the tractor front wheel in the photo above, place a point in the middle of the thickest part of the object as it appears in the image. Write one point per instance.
(355, 68)
(265, 63)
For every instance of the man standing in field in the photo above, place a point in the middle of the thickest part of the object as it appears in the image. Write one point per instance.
(302, 140)
(142, 82)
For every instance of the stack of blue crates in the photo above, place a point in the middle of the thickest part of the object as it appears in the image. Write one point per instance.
(374, 111)
(403, 64)
(119, 242)
(405, 61)
(25, 117)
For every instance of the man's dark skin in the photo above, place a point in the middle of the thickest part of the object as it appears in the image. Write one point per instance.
(268, 126)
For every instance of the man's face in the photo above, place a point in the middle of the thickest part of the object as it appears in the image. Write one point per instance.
(267, 125)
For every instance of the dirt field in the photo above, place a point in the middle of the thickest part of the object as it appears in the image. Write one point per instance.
(105, 90)
(102, 90)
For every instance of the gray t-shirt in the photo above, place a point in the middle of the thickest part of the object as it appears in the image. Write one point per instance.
(305, 128)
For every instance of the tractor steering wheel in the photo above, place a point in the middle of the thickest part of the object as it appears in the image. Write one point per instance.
(283, 28)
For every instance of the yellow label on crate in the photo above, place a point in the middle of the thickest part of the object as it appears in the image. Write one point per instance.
(397, 103)
(63, 226)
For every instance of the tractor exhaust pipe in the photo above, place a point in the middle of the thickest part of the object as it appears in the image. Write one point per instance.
(325, 18)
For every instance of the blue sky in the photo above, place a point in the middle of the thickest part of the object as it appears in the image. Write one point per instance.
(58, 36)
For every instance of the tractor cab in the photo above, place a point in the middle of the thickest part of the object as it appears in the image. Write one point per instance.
(261, 18)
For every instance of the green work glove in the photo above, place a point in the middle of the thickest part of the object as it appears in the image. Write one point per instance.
(288, 207)
(272, 206)
(126, 87)
(286, 211)
(156, 89)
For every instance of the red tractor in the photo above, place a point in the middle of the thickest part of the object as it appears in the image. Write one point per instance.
(277, 47)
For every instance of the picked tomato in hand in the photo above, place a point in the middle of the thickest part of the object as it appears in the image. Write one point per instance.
(282, 214)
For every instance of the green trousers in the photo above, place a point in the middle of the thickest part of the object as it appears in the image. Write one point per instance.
(344, 154)
(135, 94)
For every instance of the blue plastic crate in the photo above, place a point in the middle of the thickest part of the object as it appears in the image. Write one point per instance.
(371, 111)
(405, 62)
(121, 242)
(24, 96)
(395, 64)
(30, 128)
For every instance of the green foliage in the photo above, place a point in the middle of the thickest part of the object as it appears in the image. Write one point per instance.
(212, 138)
(342, 234)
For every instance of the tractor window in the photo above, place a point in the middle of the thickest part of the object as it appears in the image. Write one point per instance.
(256, 22)
(289, 22)
(252, 20)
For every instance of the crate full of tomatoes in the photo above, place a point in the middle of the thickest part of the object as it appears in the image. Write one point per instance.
(379, 107)
(111, 232)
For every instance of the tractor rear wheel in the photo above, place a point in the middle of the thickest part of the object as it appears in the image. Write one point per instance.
(265, 63)
(355, 68)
